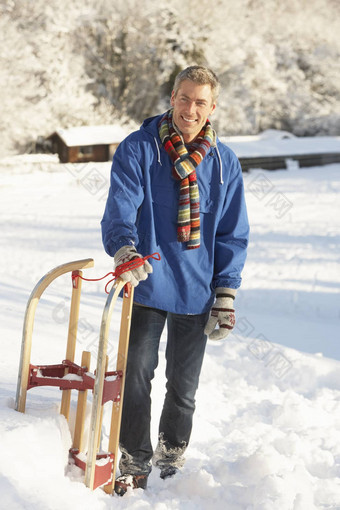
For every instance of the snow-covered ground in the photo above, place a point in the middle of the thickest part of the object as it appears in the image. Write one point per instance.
(267, 427)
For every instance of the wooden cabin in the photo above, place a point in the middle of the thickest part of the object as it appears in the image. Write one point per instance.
(86, 143)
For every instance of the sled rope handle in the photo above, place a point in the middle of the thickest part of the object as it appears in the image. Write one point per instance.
(122, 268)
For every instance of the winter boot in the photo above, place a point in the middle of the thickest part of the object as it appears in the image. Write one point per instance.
(126, 481)
(169, 459)
(168, 472)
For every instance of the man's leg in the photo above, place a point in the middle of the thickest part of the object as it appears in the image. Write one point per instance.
(185, 351)
(146, 328)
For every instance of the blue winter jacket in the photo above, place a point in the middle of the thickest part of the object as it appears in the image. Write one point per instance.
(142, 210)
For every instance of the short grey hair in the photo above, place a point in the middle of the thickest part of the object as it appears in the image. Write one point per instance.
(200, 75)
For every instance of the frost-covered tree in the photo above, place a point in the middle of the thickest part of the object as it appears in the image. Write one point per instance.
(134, 51)
(280, 65)
(43, 82)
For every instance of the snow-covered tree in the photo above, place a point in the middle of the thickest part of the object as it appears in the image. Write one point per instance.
(133, 54)
(92, 61)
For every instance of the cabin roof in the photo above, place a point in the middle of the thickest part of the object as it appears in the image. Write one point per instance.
(91, 135)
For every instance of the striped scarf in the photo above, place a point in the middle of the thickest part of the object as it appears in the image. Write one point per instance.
(184, 169)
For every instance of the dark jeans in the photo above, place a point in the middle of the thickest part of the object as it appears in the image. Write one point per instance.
(184, 356)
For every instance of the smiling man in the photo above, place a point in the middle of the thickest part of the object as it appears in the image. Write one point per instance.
(175, 189)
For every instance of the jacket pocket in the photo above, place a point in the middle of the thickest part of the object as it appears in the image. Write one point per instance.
(206, 205)
(165, 197)
(168, 198)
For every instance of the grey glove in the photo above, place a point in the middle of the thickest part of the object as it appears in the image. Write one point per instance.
(125, 254)
(222, 314)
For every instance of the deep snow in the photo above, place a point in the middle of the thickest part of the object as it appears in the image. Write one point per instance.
(267, 426)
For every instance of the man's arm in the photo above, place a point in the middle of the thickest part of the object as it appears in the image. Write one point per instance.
(232, 234)
(125, 196)
(230, 255)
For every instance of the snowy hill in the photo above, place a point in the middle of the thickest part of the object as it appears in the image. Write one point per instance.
(267, 427)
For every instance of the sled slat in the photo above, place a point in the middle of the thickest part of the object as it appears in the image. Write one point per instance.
(121, 365)
(72, 336)
(99, 384)
(81, 408)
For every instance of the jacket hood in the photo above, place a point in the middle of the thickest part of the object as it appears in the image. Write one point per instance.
(151, 125)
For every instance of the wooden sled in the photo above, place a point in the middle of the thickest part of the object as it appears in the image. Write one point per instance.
(106, 386)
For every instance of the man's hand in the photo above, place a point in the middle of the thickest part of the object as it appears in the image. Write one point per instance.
(125, 254)
(222, 314)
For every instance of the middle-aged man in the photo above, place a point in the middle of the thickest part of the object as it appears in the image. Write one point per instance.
(177, 190)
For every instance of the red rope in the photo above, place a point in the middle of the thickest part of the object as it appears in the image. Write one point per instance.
(122, 268)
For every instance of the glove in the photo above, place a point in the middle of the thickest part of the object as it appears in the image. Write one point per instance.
(222, 313)
(125, 254)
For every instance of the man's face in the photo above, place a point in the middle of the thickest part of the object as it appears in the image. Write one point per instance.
(192, 105)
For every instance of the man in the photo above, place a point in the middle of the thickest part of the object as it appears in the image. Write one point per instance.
(175, 189)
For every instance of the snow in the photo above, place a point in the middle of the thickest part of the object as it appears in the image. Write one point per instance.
(281, 143)
(267, 425)
(72, 377)
(111, 378)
